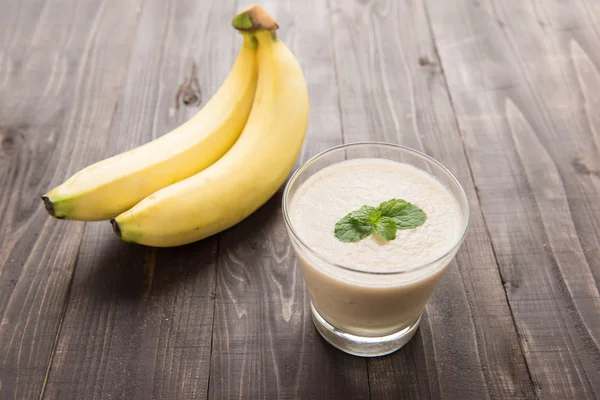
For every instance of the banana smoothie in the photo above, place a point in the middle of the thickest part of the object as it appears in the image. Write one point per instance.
(374, 283)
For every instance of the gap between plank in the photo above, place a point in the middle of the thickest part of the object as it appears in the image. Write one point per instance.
(213, 295)
(368, 377)
(214, 292)
(62, 317)
(72, 278)
(485, 224)
(337, 75)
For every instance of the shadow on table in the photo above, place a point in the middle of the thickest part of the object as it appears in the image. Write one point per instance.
(135, 272)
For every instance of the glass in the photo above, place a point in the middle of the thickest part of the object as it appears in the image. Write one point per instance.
(368, 313)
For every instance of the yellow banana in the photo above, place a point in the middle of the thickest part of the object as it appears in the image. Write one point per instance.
(248, 174)
(109, 187)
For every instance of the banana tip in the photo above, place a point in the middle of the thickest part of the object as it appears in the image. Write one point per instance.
(115, 226)
(49, 206)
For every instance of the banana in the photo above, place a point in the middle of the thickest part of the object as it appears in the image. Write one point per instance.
(109, 187)
(248, 174)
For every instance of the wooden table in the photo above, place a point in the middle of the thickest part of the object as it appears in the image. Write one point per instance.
(506, 93)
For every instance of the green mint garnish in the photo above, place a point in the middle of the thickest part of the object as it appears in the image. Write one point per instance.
(392, 207)
(410, 217)
(386, 228)
(369, 213)
(352, 228)
(384, 220)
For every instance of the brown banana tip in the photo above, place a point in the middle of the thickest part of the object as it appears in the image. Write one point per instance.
(49, 206)
(115, 226)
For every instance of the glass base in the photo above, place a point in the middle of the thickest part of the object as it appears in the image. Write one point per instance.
(363, 346)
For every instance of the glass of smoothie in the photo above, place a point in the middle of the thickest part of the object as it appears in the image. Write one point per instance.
(369, 278)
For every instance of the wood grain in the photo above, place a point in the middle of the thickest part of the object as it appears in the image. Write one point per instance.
(524, 79)
(60, 83)
(138, 323)
(265, 345)
(505, 93)
(392, 89)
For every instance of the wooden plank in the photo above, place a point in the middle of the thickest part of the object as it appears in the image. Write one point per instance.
(392, 89)
(524, 79)
(264, 343)
(139, 320)
(60, 83)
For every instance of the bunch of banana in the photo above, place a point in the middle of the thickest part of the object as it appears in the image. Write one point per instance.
(214, 170)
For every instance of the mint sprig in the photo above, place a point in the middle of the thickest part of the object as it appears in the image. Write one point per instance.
(384, 220)
(386, 228)
(410, 217)
(352, 228)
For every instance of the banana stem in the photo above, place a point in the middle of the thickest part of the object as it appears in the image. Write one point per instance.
(250, 39)
(253, 19)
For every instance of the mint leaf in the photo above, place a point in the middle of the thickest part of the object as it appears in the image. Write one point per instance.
(392, 208)
(368, 212)
(386, 228)
(357, 225)
(352, 228)
(410, 217)
(406, 215)
(386, 219)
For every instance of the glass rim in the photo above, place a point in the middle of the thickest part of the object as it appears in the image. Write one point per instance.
(417, 153)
